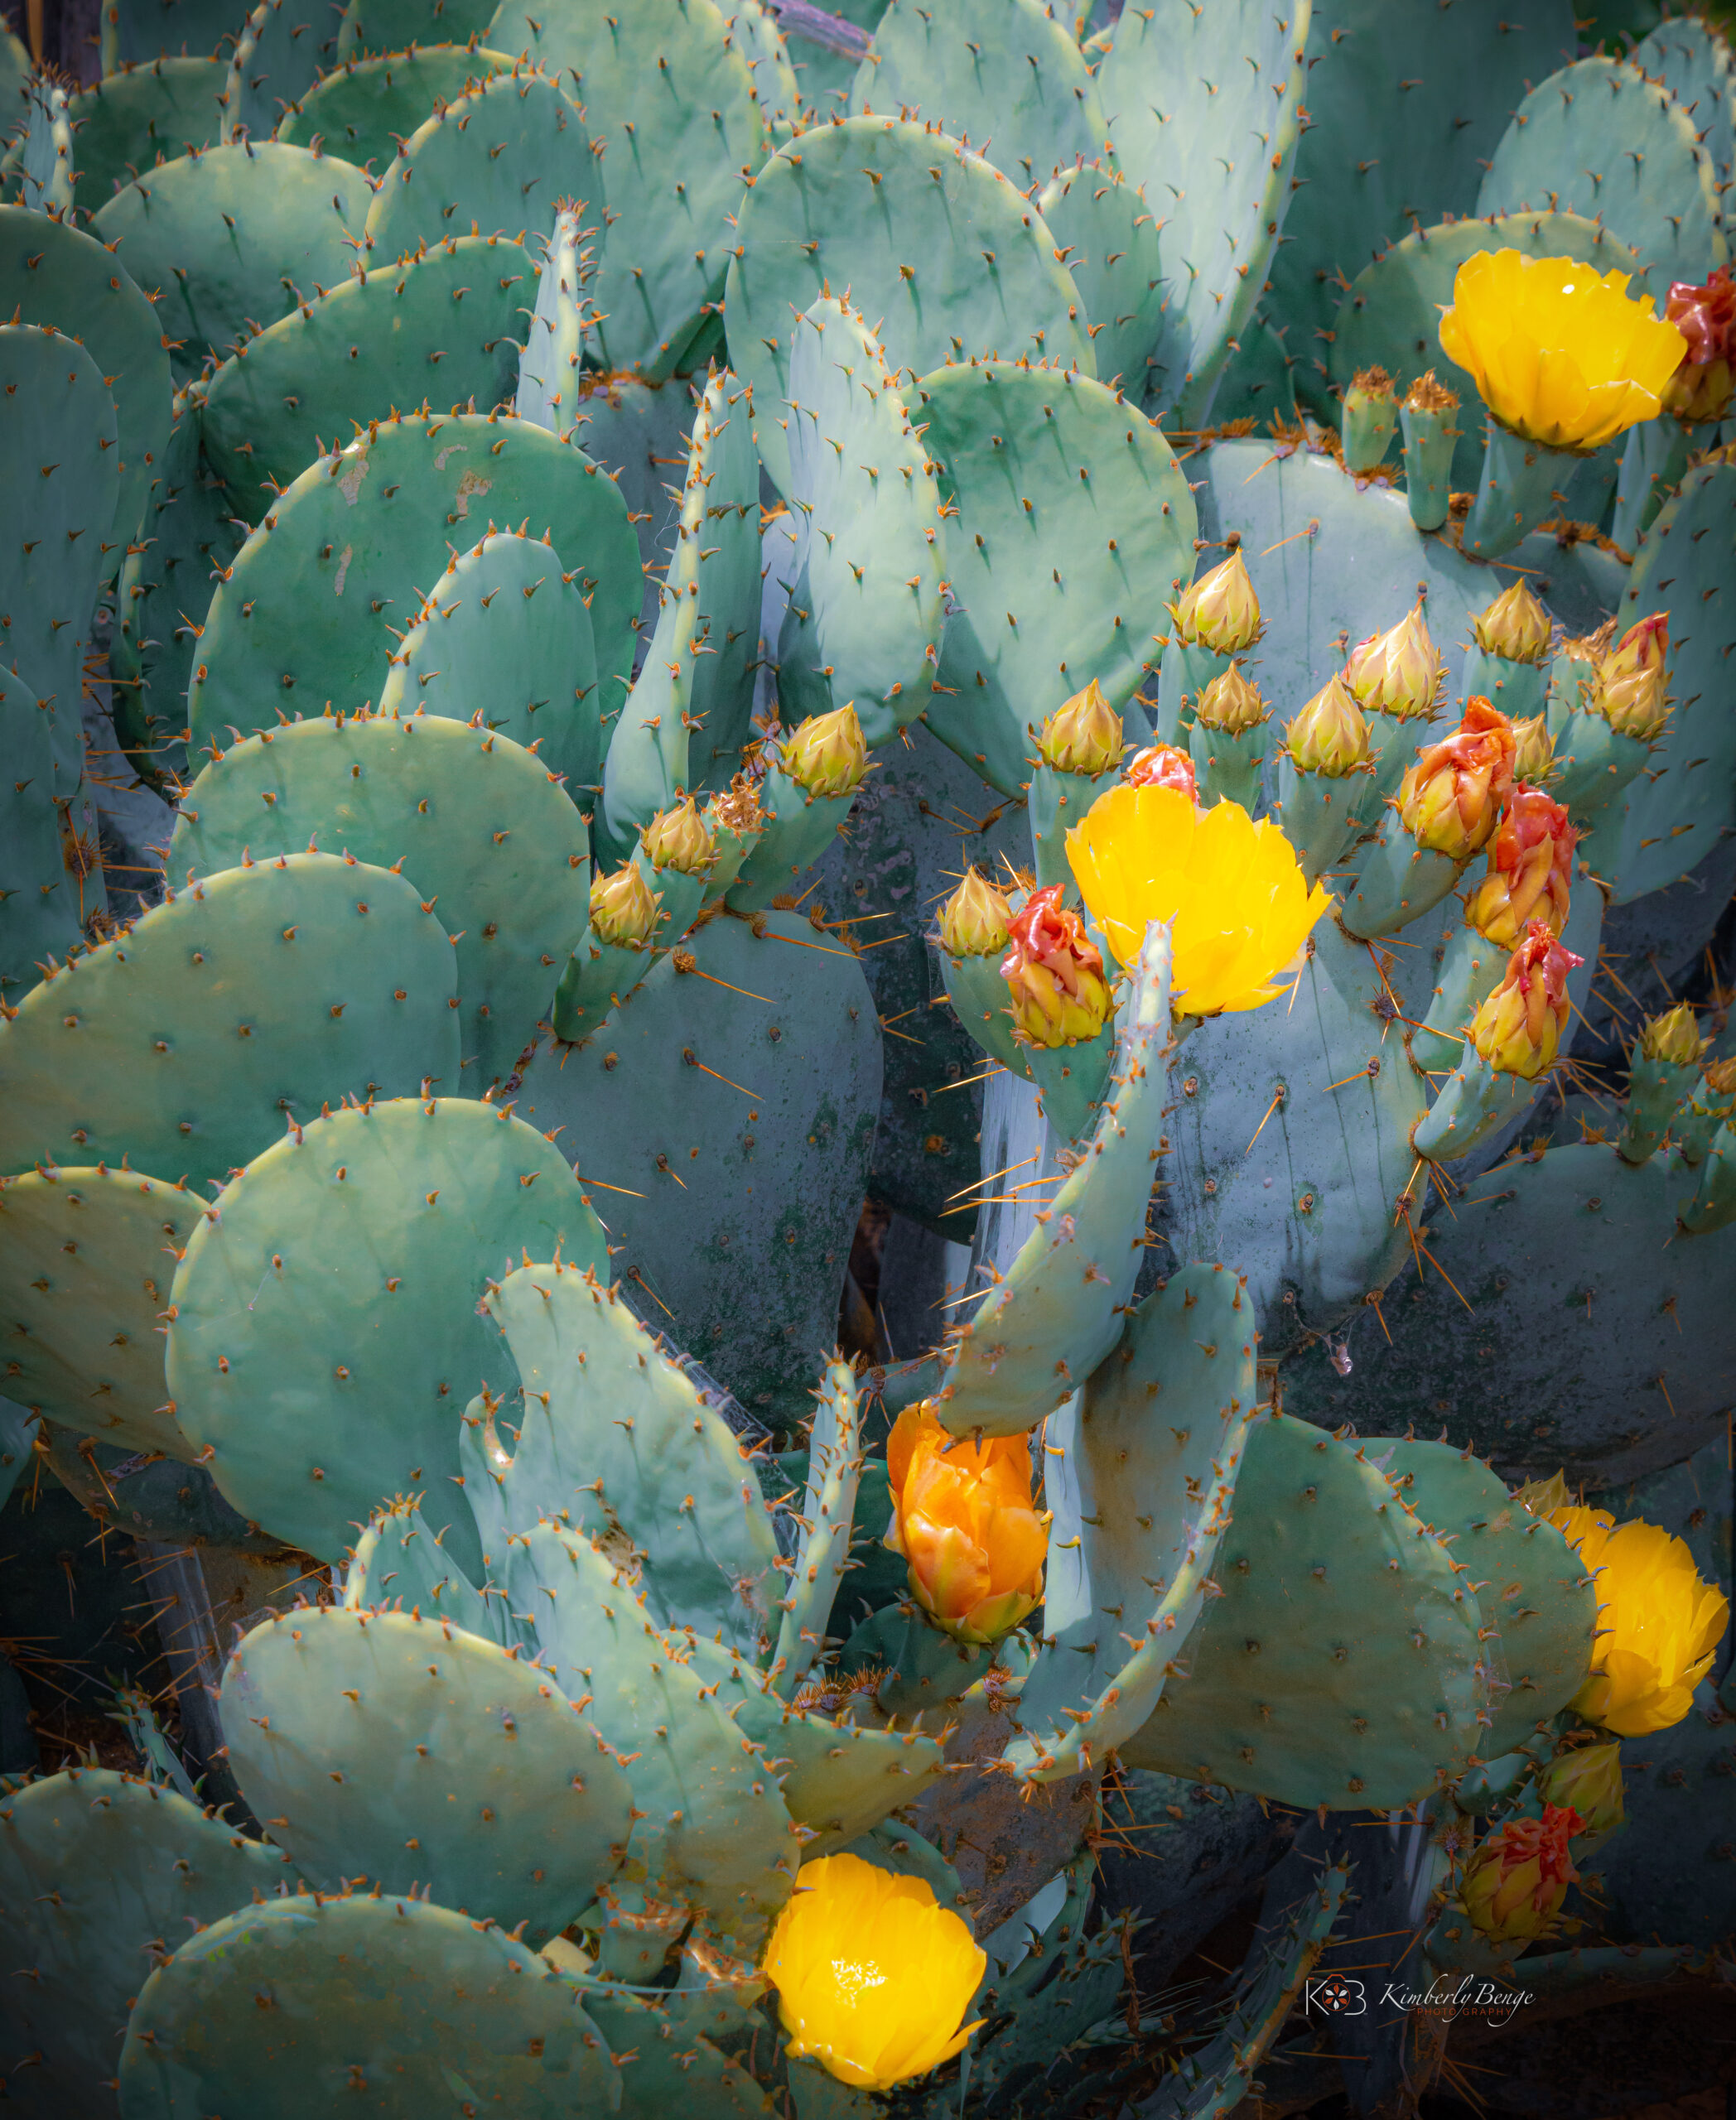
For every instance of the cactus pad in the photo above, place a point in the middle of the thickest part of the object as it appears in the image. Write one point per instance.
(366, 107)
(129, 122)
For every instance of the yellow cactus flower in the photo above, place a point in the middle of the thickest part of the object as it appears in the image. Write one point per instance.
(1559, 352)
(1658, 1624)
(1242, 908)
(872, 1975)
(962, 1516)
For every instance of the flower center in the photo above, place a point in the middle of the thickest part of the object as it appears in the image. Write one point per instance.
(855, 1976)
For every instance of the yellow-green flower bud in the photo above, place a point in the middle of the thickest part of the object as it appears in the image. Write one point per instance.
(1231, 703)
(826, 755)
(679, 838)
(623, 910)
(1083, 735)
(1219, 611)
(1541, 1498)
(1718, 1079)
(1398, 671)
(1629, 689)
(1587, 1781)
(1534, 754)
(976, 920)
(1329, 734)
(1515, 627)
(1673, 1037)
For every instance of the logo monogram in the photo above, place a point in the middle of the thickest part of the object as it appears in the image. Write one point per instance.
(1336, 1996)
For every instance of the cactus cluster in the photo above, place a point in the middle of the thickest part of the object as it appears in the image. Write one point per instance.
(622, 631)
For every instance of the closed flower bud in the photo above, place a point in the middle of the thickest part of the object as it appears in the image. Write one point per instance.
(1398, 671)
(1084, 735)
(975, 920)
(1219, 611)
(1231, 703)
(1534, 754)
(1673, 1037)
(1162, 765)
(1518, 1030)
(1329, 736)
(1515, 627)
(963, 1518)
(1628, 688)
(1515, 1883)
(1702, 387)
(679, 838)
(623, 910)
(1054, 973)
(826, 756)
(1587, 1781)
(1530, 869)
(1452, 798)
(1718, 1079)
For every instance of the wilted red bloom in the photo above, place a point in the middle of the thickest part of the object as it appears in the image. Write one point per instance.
(1452, 798)
(1054, 972)
(1518, 1030)
(1531, 869)
(1702, 386)
(1162, 765)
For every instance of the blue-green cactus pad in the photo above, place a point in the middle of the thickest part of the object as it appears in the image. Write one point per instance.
(932, 242)
(1599, 139)
(399, 1749)
(132, 120)
(1692, 59)
(189, 1040)
(233, 239)
(826, 1517)
(366, 109)
(1603, 1341)
(665, 2066)
(40, 912)
(417, 2005)
(444, 329)
(615, 1433)
(88, 1256)
(303, 620)
(1073, 522)
(1338, 1667)
(1205, 106)
(767, 1165)
(98, 1870)
(1007, 80)
(1101, 222)
(325, 1335)
(1042, 1329)
(277, 57)
(400, 1564)
(1665, 1872)
(381, 26)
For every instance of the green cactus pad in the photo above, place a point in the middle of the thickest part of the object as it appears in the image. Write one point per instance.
(96, 1868)
(380, 26)
(318, 1392)
(52, 273)
(1391, 318)
(779, 1099)
(711, 1827)
(1100, 219)
(1307, 1203)
(398, 1749)
(58, 447)
(1533, 1590)
(400, 1565)
(1041, 1330)
(188, 1040)
(1599, 139)
(1681, 806)
(415, 2004)
(1159, 1437)
(930, 240)
(1404, 111)
(754, 32)
(665, 92)
(304, 620)
(278, 56)
(827, 1517)
(1665, 1872)
(129, 121)
(444, 328)
(90, 1256)
(366, 109)
(1176, 78)
(1073, 522)
(865, 609)
(1692, 59)
(493, 163)
(666, 2067)
(1008, 80)
(40, 914)
(506, 635)
(551, 371)
(1338, 1667)
(156, 29)
(481, 828)
(615, 1433)
(1578, 1337)
(190, 537)
(233, 239)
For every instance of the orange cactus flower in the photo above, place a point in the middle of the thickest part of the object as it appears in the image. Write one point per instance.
(963, 1517)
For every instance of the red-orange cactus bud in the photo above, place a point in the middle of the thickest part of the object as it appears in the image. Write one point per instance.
(1452, 798)
(1530, 869)
(1162, 765)
(1518, 1030)
(1055, 973)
